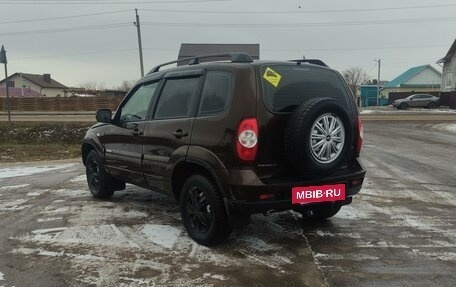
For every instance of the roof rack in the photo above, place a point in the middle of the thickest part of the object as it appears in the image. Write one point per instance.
(311, 61)
(234, 57)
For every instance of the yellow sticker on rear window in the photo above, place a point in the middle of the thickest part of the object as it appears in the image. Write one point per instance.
(272, 77)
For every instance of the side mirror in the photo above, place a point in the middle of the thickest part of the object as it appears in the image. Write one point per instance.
(104, 116)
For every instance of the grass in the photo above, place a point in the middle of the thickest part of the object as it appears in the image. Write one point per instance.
(34, 141)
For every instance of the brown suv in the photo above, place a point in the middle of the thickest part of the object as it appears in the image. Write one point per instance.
(231, 138)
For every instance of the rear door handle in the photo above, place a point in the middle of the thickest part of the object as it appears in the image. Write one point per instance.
(136, 133)
(179, 134)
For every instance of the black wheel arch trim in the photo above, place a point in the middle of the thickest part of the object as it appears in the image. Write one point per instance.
(89, 144)
(214, 167)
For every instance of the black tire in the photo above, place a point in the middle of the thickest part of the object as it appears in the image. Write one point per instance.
(320, 211)
(100, 183)
(403, 106)
(301, 150)
(432, 105)
(203, 211)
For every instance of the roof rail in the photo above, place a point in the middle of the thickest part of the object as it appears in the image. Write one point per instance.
(234, 57)
(311, 61)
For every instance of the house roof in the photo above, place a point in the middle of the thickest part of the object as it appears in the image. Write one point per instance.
(449, 55)
(39, 80)
(407, 75)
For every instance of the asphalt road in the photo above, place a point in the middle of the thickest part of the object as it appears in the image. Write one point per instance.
(399, 231)
(377, 114)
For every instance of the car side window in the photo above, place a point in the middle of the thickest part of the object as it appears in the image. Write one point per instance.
(135, 109)
(177, 98)
(216, 93)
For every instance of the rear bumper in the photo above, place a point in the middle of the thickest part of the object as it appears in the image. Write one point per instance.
(247, 196)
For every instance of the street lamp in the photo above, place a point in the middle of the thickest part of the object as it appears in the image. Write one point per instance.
(3, 60)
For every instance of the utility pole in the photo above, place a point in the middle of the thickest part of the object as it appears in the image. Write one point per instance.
(379, 61)
(3, 60)
(138, 28)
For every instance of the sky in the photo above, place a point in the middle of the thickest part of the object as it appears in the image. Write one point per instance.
(80, 41)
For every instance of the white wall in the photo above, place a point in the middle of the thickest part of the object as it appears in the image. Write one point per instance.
(427, 77)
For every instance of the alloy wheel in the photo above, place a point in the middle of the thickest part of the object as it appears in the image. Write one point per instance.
(327, 138)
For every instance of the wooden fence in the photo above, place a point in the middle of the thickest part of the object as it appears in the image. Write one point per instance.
(61, 104)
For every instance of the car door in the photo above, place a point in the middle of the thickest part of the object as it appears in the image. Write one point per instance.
(123, 139)
(417, 100)
(425, 100)
(168, 134)
(414, 101)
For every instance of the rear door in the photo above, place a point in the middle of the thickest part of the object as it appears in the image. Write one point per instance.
(417, 101)
(123, 139)
(283, 88)
(167, 134)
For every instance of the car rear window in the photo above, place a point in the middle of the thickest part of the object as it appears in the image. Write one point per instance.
(286, 87)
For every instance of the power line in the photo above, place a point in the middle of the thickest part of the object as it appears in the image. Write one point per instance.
(300, 11)
(222, 12)
(65, 17)
(100, 2)
(89, 53)
(71, 29)
(263, 51)
(240, 25)
(356, 48)
(303, 25)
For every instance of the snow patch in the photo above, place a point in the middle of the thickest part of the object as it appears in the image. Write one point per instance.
(34, 193)
(49, 219)
(105, 235)
(95, 213)
(12, 205)
(366, 112)
(13, 187)
(163, 235)
(443, 127)
(215, 276)
(450, 128)
(71, 192)
(256, 244)
(2, 276)
(58, 210)
(80, 178)
(25, 171)
(43, 252)
(23, 250)
(387, 110)
(69, 170)
(345, 256)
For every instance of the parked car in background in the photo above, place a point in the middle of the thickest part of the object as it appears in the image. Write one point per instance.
(417, 100)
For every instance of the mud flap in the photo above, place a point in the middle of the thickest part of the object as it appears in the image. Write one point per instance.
(236, 218)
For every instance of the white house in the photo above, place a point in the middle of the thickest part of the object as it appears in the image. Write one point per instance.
(31, 85)
(421, 79)
(449, 70)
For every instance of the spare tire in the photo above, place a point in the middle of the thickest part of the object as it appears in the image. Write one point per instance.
(318, 136)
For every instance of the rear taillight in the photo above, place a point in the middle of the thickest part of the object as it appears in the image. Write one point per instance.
(247, 139)
(359, 143)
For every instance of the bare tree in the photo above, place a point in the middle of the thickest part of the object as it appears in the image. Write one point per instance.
(355, 76)
(93, 86)
(126, 85)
